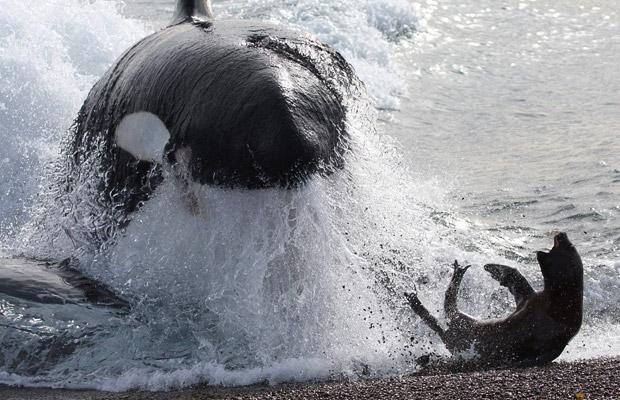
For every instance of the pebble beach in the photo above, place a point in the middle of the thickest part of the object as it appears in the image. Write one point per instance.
(588, 379)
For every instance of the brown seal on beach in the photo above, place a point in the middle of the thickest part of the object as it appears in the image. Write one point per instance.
(537, 331)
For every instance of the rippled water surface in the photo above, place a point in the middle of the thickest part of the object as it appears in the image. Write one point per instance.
(498, 123)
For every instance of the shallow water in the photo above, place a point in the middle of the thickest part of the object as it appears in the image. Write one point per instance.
(498, 123)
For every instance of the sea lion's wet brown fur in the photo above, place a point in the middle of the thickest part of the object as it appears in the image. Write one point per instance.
(537, 331)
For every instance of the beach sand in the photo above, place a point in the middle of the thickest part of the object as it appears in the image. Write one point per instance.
(588, 379)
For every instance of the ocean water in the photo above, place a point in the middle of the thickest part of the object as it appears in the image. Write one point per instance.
(494, 124)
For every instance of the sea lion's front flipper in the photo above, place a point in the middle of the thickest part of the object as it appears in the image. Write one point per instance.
(512, 279)
(450, 306)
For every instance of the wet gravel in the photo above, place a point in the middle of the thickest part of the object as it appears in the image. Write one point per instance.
(589, 379)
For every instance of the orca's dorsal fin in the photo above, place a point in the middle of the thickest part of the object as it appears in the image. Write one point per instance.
(187, 9)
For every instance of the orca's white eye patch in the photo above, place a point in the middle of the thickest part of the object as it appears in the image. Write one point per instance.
(143, 135)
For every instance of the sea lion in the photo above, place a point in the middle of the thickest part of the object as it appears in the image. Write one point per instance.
(537, 331)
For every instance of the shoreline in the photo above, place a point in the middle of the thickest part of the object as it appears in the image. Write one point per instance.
(591, 379)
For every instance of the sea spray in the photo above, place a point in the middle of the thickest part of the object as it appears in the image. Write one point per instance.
(51, 53)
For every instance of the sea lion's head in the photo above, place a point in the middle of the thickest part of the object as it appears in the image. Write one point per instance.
(561, 266)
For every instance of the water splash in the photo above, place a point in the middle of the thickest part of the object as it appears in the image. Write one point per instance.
(48, 62)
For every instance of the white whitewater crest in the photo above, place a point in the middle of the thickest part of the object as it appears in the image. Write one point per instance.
(230, 287)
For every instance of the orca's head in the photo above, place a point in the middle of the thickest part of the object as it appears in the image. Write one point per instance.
(561, 266)
(267, 115)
